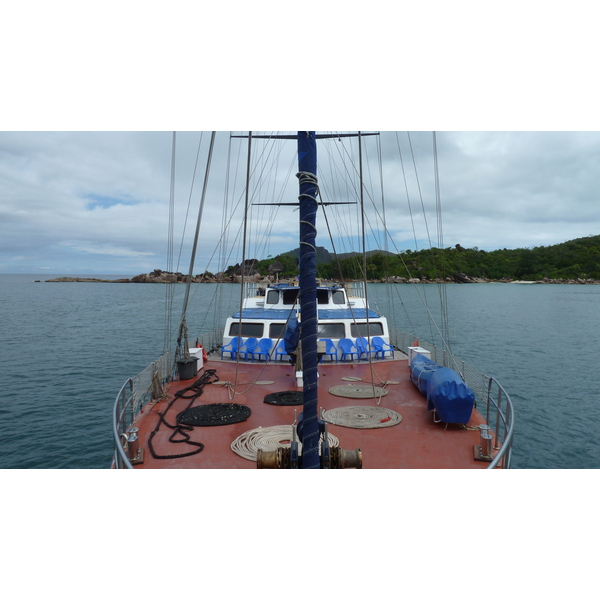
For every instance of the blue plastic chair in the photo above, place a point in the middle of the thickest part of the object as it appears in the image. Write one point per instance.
(249, 346)
(263, 348)
(364, 348)
(231, 348)
(346, 345)
(381, 347)
(330, 349)
(280, 351)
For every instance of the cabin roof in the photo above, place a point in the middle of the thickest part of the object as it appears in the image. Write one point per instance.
(274, 314)
(285, 286)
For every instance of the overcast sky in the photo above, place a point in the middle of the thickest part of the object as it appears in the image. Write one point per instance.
(79, 202)
(97, 202)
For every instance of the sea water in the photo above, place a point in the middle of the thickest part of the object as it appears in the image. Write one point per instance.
(67, 348)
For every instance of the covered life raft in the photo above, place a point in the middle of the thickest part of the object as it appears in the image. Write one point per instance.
(446, 392)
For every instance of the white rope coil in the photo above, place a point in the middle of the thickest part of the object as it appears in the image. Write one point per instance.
(362, 417)
(268, 438)
(358, 390)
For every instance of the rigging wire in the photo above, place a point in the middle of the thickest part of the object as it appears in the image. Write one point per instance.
(225, 229)
(170, 229)
(364, 251)
(338, 210)
(218, 296)
(170, 289)
(189, 200)
(385, 237)
(412, 153)
(216, 299)
(361, 215)
(182, 327)
(421, 293)
(443, 334)
(441, 286)
(247, 197)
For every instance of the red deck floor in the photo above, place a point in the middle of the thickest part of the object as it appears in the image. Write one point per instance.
(415, 443)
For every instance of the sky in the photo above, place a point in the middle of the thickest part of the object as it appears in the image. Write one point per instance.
(97, 202)
(88, 110)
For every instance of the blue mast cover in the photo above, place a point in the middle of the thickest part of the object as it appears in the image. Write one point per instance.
(307, 167)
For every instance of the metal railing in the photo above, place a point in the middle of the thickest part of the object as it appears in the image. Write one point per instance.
(213, 340)
(355, 289)
(498, 408)
(135, 393)
(120, 427)
(504, 423)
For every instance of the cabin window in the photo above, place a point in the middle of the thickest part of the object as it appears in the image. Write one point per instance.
(248, 329)
(360, 329)
(322, 296)
(272, 297)
(289, 296)
(338, 297)
(331, 330)
(276, 330)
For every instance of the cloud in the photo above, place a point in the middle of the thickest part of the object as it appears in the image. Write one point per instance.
(99, 201)
(103, 249)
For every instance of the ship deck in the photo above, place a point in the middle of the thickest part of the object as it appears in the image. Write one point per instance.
(416, 442)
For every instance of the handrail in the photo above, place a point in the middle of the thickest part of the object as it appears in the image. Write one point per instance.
(505, 450)
(132, 397)
(120, 459)
(136, 392)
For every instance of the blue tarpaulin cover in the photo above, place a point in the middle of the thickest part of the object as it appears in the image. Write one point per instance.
(420, 373)
(292, 335)
(444, 389)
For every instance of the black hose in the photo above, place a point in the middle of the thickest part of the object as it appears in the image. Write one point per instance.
(196, 389)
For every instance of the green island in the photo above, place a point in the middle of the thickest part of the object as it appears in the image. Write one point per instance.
(575, 261)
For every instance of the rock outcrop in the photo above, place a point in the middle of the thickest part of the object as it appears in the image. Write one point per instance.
(158, 276)
(252, 275)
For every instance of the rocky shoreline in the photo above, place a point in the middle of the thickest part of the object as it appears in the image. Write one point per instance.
(462, 278)
(158, 276)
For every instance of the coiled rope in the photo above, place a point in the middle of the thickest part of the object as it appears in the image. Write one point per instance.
(358, 391)
(269, 438)
(362, 417)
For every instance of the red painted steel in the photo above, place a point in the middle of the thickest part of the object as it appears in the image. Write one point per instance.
(415, 443)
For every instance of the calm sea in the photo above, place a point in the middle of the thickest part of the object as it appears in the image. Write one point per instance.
(66, 349)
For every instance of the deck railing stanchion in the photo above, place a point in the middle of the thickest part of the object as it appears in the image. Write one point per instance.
(498, 414)
(488, 401)
(131, 399)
